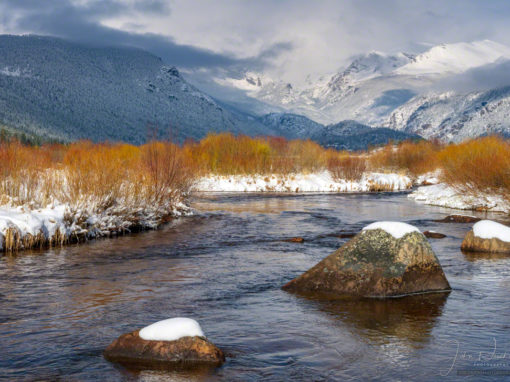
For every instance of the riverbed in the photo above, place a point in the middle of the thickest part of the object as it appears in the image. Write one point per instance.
(224, 267)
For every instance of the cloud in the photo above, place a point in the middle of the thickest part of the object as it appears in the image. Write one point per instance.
(81, 21)
(288, 39)
(491, 76)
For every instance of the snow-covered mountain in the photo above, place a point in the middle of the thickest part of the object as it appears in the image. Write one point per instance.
(64, 90)
(455, 117)
(423, 93)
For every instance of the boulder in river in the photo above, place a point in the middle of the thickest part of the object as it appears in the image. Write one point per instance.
(175, 341)
(459, 219)
(386, 259)
(487, 236)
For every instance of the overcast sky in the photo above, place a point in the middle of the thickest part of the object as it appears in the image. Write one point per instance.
(286, 38)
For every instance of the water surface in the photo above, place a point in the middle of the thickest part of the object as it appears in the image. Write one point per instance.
(224, 267)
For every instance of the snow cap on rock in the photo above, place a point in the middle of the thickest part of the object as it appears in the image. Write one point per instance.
(171, 329)
(395, 229)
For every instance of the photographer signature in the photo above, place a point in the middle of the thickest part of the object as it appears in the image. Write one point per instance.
(478, 358)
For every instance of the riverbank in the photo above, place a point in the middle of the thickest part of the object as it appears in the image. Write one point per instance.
(313, 182)
(443, 195)
(25, 227)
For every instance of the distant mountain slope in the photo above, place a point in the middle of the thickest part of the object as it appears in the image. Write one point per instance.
(69, 91)
(346, 135)
(63, 90)
(454, 117)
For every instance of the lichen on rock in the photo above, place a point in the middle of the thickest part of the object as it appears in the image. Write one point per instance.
(375, 264)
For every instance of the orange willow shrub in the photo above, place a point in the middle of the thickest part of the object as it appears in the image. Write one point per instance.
(479, 165)
(94, 175)
(168, 172)
(99, 171)
(413, 157)
(20, 167)
(347, 167)
(227, 154)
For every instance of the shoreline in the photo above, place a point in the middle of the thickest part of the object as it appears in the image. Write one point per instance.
(25, 227)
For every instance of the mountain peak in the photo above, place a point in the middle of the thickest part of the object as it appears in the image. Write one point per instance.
(455, 58)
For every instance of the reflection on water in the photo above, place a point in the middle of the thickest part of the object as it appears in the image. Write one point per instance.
(476, 256)
(224, 267)
(409, 319)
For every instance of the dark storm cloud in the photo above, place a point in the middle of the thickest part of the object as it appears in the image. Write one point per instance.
(79, 22)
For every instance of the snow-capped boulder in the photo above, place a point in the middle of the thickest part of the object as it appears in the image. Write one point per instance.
(173, 341)
(386, 259)
(487, 236)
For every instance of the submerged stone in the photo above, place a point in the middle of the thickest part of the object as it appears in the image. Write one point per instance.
(375, 264)
(434, 235)
(459, 219)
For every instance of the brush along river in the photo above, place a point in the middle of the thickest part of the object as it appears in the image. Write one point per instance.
(224, 267)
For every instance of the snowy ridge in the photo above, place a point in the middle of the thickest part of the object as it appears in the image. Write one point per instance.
(317, 182)
(455, 58)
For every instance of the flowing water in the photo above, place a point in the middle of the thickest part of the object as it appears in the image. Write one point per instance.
(224, 267)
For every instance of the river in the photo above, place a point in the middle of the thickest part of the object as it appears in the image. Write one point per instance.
(224, 267)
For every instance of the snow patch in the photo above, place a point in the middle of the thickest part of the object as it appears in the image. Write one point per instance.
(315, 182)
(395, 229)
(171, 329)
(32, 222)
(445, 196)
(488, 229)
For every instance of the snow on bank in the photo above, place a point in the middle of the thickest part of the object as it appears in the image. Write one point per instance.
(316, 182)
(488, 229)
(395, 229)
(445, 196)
(22, 227)
(428, 178)
(46, 221)
(171, 330)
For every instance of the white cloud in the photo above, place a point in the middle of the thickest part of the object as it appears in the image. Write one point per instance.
(323, 33)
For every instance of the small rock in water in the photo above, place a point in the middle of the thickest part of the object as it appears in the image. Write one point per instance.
(295, 240)
(386, 259)
(459, 219)
(487, 236)
(346, 235)
(170, 342)
(434, 235)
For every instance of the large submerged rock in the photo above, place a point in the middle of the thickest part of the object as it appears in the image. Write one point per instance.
(487, 236)
(178, 342)
(386, 259)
